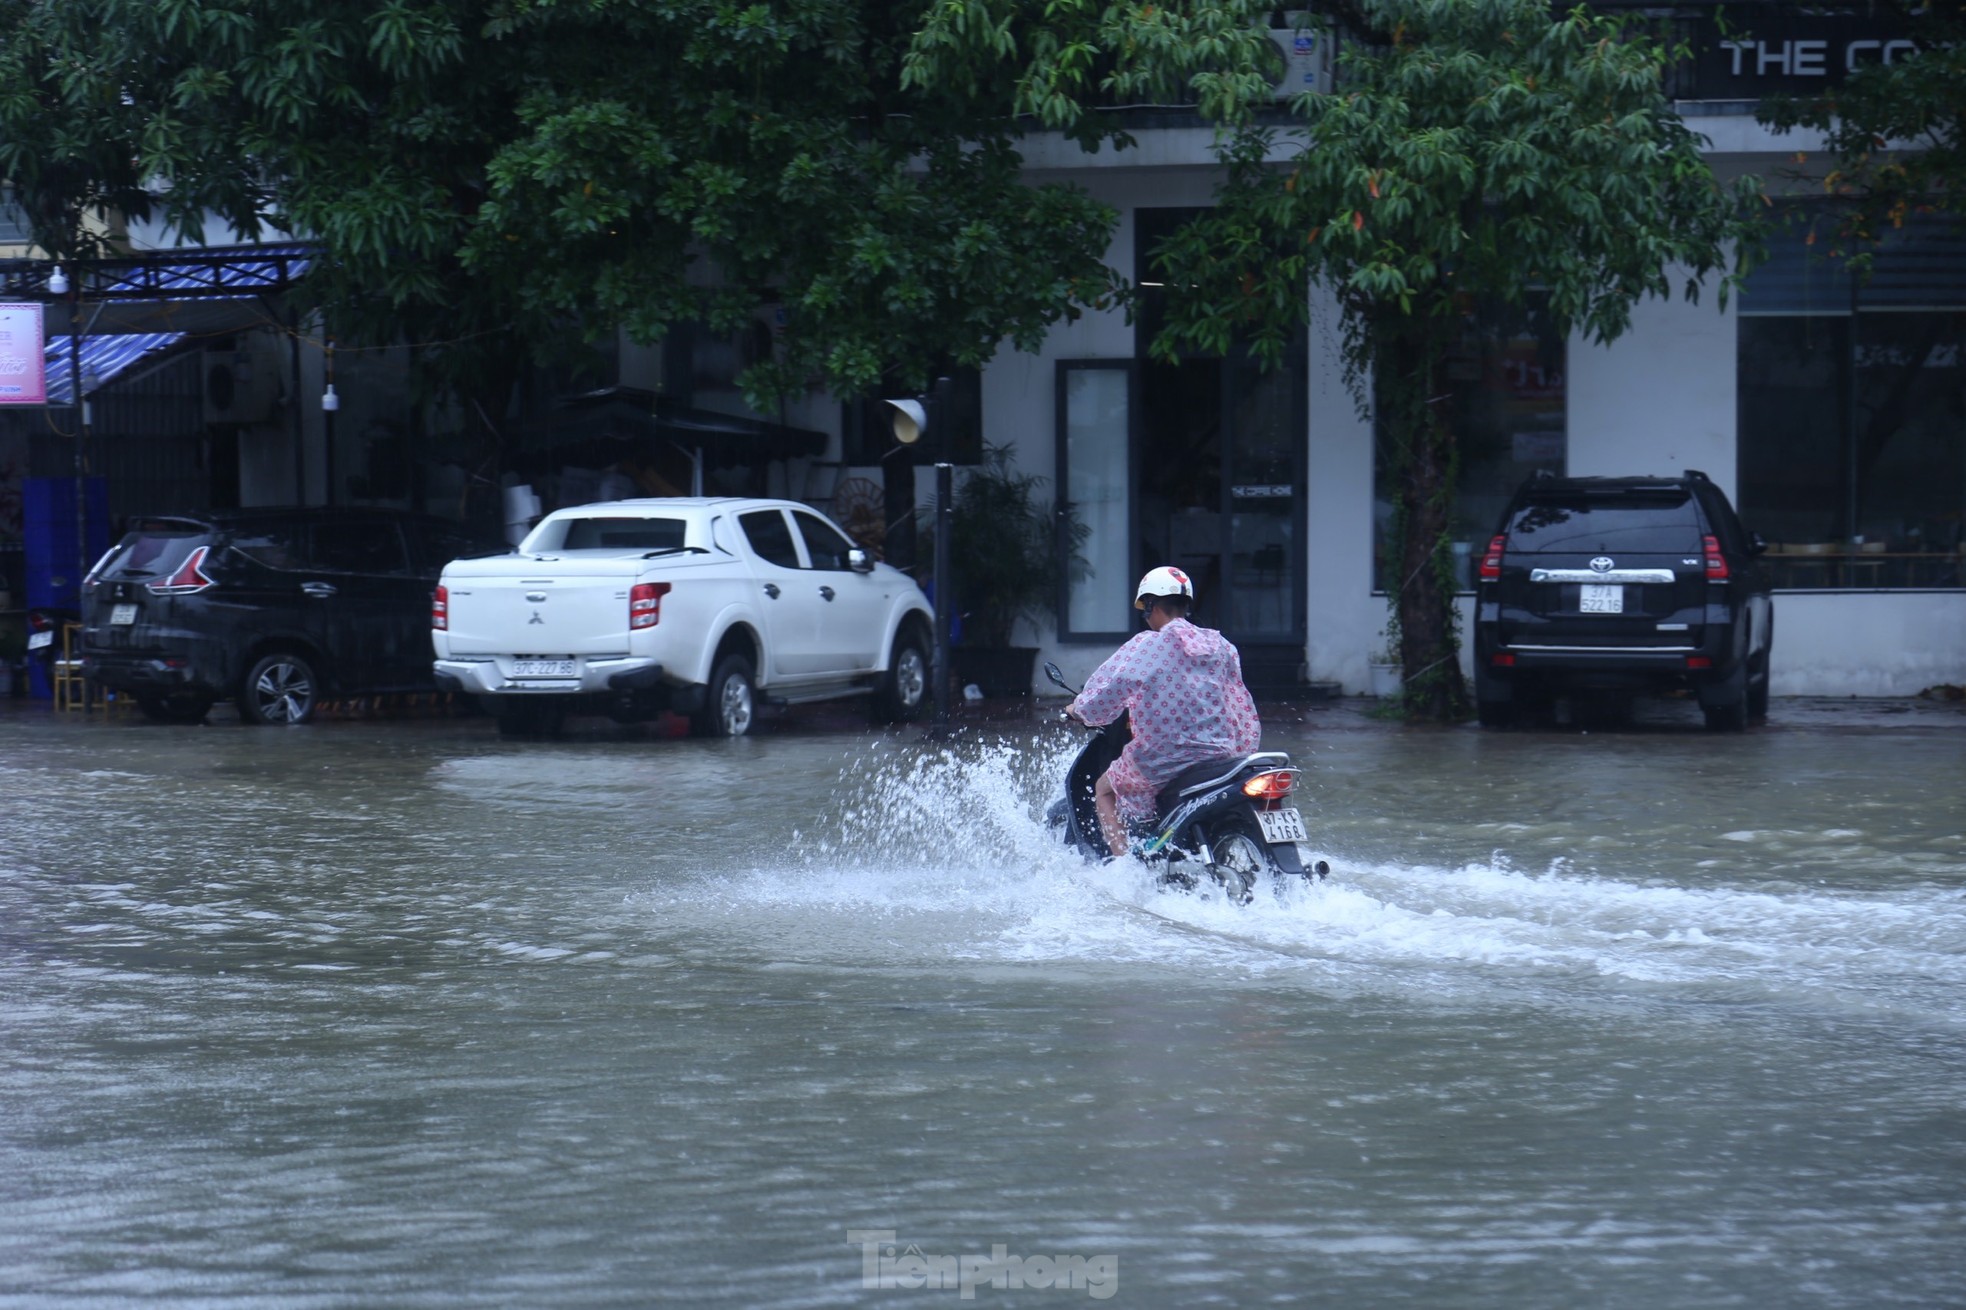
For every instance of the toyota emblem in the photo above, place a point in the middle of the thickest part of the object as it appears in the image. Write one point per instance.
(1602, 564)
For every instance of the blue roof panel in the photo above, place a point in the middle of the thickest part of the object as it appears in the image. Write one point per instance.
(102, 359)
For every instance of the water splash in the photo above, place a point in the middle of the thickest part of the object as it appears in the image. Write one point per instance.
(942, 854)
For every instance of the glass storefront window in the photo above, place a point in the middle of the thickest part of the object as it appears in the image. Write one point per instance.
(1852, 439)
(1506, 405)
(1095, 419)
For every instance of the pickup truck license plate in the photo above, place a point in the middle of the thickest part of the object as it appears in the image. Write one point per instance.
(543, 669)
(1601, 599)
(1281, 825)
(123, 614)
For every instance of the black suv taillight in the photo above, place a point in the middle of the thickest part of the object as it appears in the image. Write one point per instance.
(189, 579)
(1716, 562)
(1491, 559)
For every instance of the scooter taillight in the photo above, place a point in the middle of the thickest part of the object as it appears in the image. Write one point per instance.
(1271, 786)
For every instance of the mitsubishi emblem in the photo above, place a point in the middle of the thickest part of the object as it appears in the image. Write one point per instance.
(534, 619)
(1602, 564)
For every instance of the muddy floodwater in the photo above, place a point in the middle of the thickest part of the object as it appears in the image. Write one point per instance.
(400, 1014)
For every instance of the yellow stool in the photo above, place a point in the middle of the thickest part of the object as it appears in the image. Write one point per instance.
(73, 691)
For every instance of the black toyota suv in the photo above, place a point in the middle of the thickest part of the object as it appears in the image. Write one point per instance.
(1612, 587)
(273, 608)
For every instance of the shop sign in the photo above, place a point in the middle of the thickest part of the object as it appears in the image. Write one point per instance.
(1799, 56)
(23, 367)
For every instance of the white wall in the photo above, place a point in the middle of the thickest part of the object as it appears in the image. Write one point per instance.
(1868, 643)
(1660, 399)
(1344, 617)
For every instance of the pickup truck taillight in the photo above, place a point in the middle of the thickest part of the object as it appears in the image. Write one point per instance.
(645, 604)
(440, 608)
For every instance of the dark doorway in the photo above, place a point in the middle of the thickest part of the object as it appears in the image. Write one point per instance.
(1221, 479)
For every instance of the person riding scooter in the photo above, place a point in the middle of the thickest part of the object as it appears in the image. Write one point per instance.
(1182, 686)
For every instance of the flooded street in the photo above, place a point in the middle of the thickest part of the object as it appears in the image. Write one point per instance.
(372, 1013)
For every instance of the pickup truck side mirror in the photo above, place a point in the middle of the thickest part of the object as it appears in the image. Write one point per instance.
(859, 560)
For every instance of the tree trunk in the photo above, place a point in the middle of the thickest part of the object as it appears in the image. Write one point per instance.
(1424, 465)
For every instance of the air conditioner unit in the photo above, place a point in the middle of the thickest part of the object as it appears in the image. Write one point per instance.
(243, 384)
(1308, 58)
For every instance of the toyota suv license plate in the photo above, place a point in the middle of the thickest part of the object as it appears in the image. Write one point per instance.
(1281, 825)
(123, 614)
(1598, 598)
(543, 669)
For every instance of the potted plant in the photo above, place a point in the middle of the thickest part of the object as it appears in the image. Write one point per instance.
(1005, 565)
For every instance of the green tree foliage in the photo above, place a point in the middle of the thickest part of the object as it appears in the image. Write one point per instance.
(502, 175)
(1896, 132)
(1477, 151)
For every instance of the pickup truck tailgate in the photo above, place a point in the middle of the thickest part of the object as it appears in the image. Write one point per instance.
(544, 607)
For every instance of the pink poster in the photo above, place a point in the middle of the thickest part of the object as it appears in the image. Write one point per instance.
(23, 367)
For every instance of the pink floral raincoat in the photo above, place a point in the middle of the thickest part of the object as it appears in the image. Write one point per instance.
(1184, 687)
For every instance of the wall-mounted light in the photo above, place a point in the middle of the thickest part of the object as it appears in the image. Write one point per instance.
(910, 420)
(57, 282)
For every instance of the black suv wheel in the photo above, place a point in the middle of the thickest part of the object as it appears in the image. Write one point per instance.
(1606, 588)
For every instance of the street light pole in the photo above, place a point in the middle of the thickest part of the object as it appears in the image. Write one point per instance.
(81, 439)
(944, 609)
(912, 418)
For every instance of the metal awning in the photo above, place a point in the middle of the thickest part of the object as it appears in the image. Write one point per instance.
(130, 309)
(102, 359)
(205, 290)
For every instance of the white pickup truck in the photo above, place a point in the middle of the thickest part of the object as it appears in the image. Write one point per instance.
(697, 606)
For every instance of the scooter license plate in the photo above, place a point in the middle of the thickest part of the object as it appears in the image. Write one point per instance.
(39, 640)
(1281, 825)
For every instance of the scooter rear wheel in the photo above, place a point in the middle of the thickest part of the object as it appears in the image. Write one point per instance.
(1241, 859)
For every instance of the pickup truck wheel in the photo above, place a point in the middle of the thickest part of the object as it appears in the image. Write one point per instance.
(280, 688)
(729, 702)
(904, 687)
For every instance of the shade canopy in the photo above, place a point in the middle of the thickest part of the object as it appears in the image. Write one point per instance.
(604, 425)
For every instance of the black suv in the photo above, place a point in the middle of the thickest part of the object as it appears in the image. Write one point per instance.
(1610, 587)
(275, 608)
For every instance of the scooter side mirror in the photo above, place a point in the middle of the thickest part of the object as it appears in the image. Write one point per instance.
(1057, 678)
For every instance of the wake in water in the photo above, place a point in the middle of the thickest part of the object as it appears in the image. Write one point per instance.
(944, 855)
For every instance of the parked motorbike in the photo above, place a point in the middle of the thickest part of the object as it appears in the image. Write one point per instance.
(1222, 823)
(44, 645)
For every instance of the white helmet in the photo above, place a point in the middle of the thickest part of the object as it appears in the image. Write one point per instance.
(1163, 581)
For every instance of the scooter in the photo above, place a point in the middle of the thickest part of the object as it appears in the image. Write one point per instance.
(1222, 822)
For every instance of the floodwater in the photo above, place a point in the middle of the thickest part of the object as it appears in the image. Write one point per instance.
(367, 1014)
